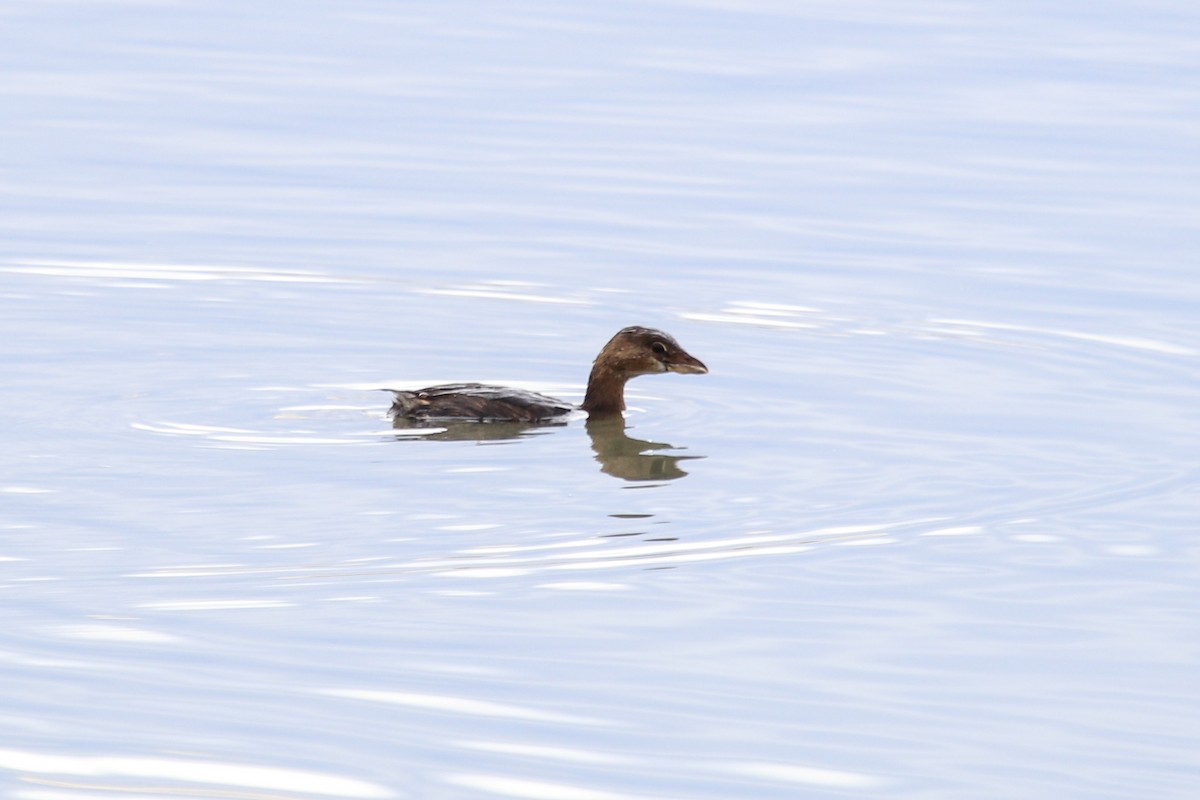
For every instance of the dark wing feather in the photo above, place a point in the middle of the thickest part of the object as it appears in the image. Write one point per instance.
(478, 402)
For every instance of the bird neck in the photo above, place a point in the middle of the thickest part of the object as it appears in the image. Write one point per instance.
(605, 392)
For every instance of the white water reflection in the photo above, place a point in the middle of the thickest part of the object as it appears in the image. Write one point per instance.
(505, 290)
(804, 775)
(97, 270)
(505, 786)
(243, 436)
(185, 772)
(214, 604)
(462, 705)
(969, 327)
(588, 553)
(116, 633)
(550, 752)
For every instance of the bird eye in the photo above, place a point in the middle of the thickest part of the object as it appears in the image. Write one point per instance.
(659, 348)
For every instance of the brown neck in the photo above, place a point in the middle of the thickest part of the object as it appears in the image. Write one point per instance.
(605, 393)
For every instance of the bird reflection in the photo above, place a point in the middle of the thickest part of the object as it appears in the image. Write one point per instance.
(631, 459)
(619, 454)
(459, 430)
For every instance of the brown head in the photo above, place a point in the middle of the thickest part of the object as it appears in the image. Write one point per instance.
(633, 351)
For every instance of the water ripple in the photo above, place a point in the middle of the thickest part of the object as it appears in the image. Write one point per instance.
(187, 772)
(96, 270)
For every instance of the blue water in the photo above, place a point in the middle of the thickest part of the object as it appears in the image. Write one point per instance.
(926, 529)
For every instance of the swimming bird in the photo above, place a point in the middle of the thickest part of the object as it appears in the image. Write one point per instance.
(633, 351)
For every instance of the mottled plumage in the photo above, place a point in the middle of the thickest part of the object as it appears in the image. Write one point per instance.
(479, 402)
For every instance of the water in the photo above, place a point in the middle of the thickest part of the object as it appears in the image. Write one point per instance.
(927, 529)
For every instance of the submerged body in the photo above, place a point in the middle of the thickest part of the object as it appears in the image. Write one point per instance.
(633, 351)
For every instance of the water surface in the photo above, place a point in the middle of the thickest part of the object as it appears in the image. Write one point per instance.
(927, 529)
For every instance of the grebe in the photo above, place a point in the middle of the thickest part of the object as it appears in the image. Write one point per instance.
(633, 351)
